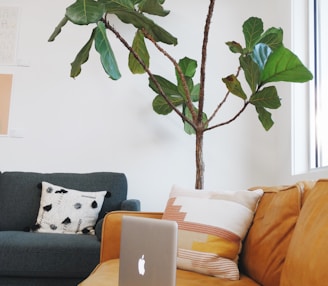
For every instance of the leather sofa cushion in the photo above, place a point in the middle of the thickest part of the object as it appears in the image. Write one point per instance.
(266, 244)
(107, 272)
(307, 188)
(306, 261)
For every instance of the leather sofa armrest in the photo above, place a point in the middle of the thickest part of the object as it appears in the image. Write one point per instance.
(111, 232)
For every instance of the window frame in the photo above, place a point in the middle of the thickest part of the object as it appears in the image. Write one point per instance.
(319, 150)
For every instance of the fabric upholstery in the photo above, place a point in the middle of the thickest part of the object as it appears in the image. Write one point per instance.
(130, 205)
(20, 191)
(306, 262)
(37, 281)
(266, 244)
(38, 259)
(127, 205)
(25, 254)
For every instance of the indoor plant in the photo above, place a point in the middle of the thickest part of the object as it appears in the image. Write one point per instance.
(263, 60)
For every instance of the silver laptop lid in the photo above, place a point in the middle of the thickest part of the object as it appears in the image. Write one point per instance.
(148, 252)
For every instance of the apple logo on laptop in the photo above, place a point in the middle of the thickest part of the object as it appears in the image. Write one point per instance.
(141, 265)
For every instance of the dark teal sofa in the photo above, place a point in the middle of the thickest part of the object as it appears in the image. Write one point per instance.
(43, 259)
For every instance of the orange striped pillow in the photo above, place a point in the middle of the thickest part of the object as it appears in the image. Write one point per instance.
(212, 226)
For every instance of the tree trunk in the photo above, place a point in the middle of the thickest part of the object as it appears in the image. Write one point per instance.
(200, 167)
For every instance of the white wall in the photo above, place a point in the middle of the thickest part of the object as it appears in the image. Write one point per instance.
(95, 124)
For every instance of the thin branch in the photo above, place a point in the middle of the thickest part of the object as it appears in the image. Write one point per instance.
(178, 68)
(230, 120)
(222, 102)
(203, 62)
(147, 70)
(218, 107)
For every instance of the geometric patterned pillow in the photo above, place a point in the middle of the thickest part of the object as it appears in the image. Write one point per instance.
(211, 227)
(70, 211)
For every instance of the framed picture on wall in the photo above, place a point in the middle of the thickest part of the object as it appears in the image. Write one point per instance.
(9, 19)
(5, 95)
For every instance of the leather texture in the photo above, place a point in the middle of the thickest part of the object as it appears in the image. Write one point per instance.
(106, 274)
(267, 241)
(285, 246)
(306, 261)
(111, 233)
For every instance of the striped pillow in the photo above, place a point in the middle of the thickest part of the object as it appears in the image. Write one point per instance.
(212, 226)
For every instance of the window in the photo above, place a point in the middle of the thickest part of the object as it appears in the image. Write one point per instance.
(301, 99)
(319, 121)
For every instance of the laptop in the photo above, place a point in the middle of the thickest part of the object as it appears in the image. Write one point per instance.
(148, 252)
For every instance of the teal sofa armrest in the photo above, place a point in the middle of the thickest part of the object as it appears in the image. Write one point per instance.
(126, 205)
(130, 205)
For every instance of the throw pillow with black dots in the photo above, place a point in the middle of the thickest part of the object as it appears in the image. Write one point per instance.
(64, 210)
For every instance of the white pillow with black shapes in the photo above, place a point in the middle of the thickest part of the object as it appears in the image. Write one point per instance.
(64, 210)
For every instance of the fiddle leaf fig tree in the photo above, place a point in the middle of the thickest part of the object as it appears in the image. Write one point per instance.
(263, 60)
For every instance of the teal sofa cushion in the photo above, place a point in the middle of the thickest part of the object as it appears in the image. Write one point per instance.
(20, 193)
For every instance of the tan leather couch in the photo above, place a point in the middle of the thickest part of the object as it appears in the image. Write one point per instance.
(286, 245)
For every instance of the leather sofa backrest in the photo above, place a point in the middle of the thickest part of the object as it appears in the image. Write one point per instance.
(265, 247)
(20, 194)
(306, 260)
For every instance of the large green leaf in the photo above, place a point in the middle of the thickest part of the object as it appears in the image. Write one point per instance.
(84, 12)
(181, 89)
(267, 98)
(251, 71)
(272, 37)
(188, 66)
(187, 127)
(168, 87)
(57, 30)
(118, 4)
(153, 7)
(234, 86)
(161, 35)
(195, 93)
(82, 56)
(283, 65)
(135, 2)
(264, 117)
(140, 48)
(129, 15)
(107, 57)
(252, 29)
(160, 105)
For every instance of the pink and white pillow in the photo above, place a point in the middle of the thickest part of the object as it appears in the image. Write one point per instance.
(212, 226)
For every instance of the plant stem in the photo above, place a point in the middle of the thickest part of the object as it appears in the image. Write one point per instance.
(222, 102)
(200, 166)
(203, 62)
(230, 120)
